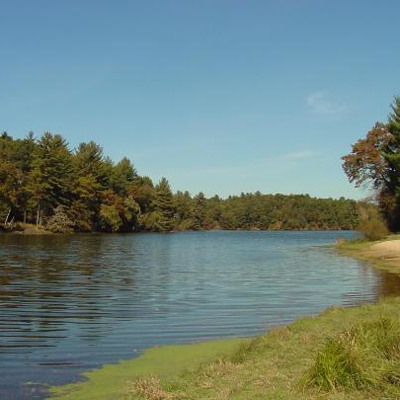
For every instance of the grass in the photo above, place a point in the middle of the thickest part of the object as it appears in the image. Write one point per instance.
(344, 353)
(335, 367)
(351, 353)
(360, 358)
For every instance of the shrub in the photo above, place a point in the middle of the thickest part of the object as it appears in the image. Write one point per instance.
(60, 222)
(373, 229)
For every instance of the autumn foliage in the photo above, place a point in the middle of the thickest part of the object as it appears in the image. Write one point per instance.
(375, 161)
(366, 163)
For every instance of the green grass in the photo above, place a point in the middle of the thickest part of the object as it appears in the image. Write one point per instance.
(336, 366)
(360, 358)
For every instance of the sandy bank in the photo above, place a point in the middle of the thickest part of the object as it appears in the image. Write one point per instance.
(387, 250)
(384, 254)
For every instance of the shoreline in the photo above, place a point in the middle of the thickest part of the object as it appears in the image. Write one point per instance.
(382, 254)
(166, 376)
(30, 230)
(25, 229)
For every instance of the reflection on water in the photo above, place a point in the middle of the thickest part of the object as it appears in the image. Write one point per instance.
(69, 303)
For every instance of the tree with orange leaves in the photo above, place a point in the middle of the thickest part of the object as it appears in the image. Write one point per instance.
(375, 161)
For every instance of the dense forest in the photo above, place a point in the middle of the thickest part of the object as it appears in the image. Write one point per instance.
(375, 162)
(44, 182)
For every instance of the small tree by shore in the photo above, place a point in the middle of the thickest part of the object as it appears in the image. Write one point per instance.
(60, 222)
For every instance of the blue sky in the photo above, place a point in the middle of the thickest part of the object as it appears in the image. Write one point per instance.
(222, 96)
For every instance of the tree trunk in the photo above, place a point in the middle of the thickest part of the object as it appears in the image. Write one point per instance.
(6, 220)
(25, 217)
(38, 216)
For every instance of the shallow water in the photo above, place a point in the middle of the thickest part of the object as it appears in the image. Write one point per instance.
(71, 303)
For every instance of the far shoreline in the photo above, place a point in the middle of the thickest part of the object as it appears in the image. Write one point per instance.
(33, 230)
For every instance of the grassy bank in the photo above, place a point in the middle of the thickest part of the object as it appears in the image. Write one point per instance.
(351, 353)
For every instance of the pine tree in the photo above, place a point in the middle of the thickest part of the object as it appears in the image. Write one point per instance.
(389, 198)
(199, 211)
(122, 176)
(51, 178)
(89, 160)
(163, 205)
(392, 150)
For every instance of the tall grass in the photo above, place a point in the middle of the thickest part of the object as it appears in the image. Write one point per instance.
(335, 366)
(368, 355)
(381, 337)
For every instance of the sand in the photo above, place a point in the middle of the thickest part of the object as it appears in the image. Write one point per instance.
(386, 250)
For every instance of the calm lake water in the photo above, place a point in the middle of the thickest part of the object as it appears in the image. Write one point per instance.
(71, 303)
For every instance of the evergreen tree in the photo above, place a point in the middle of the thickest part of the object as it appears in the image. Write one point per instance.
(184, 211)
(390, 193)
(163, 207)
(122, 177)
(199, 211)
(89, 160)
(143, 192)
(51, 177)
(86, 203)
(392, 149)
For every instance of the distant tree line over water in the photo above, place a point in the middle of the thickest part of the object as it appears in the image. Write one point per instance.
(44, 182)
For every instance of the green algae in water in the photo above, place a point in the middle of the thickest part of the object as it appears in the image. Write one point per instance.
(110, 381)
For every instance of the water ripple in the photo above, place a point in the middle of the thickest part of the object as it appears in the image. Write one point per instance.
(70, 303)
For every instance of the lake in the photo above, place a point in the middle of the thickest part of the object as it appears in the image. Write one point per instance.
(72, 303)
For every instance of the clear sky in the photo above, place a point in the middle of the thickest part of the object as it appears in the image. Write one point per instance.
(222, 96)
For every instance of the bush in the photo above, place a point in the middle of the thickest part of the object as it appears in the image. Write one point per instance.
(60, 222)
(373, 229)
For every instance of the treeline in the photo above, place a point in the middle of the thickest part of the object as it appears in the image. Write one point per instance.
(266, 212)
(44, 182)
